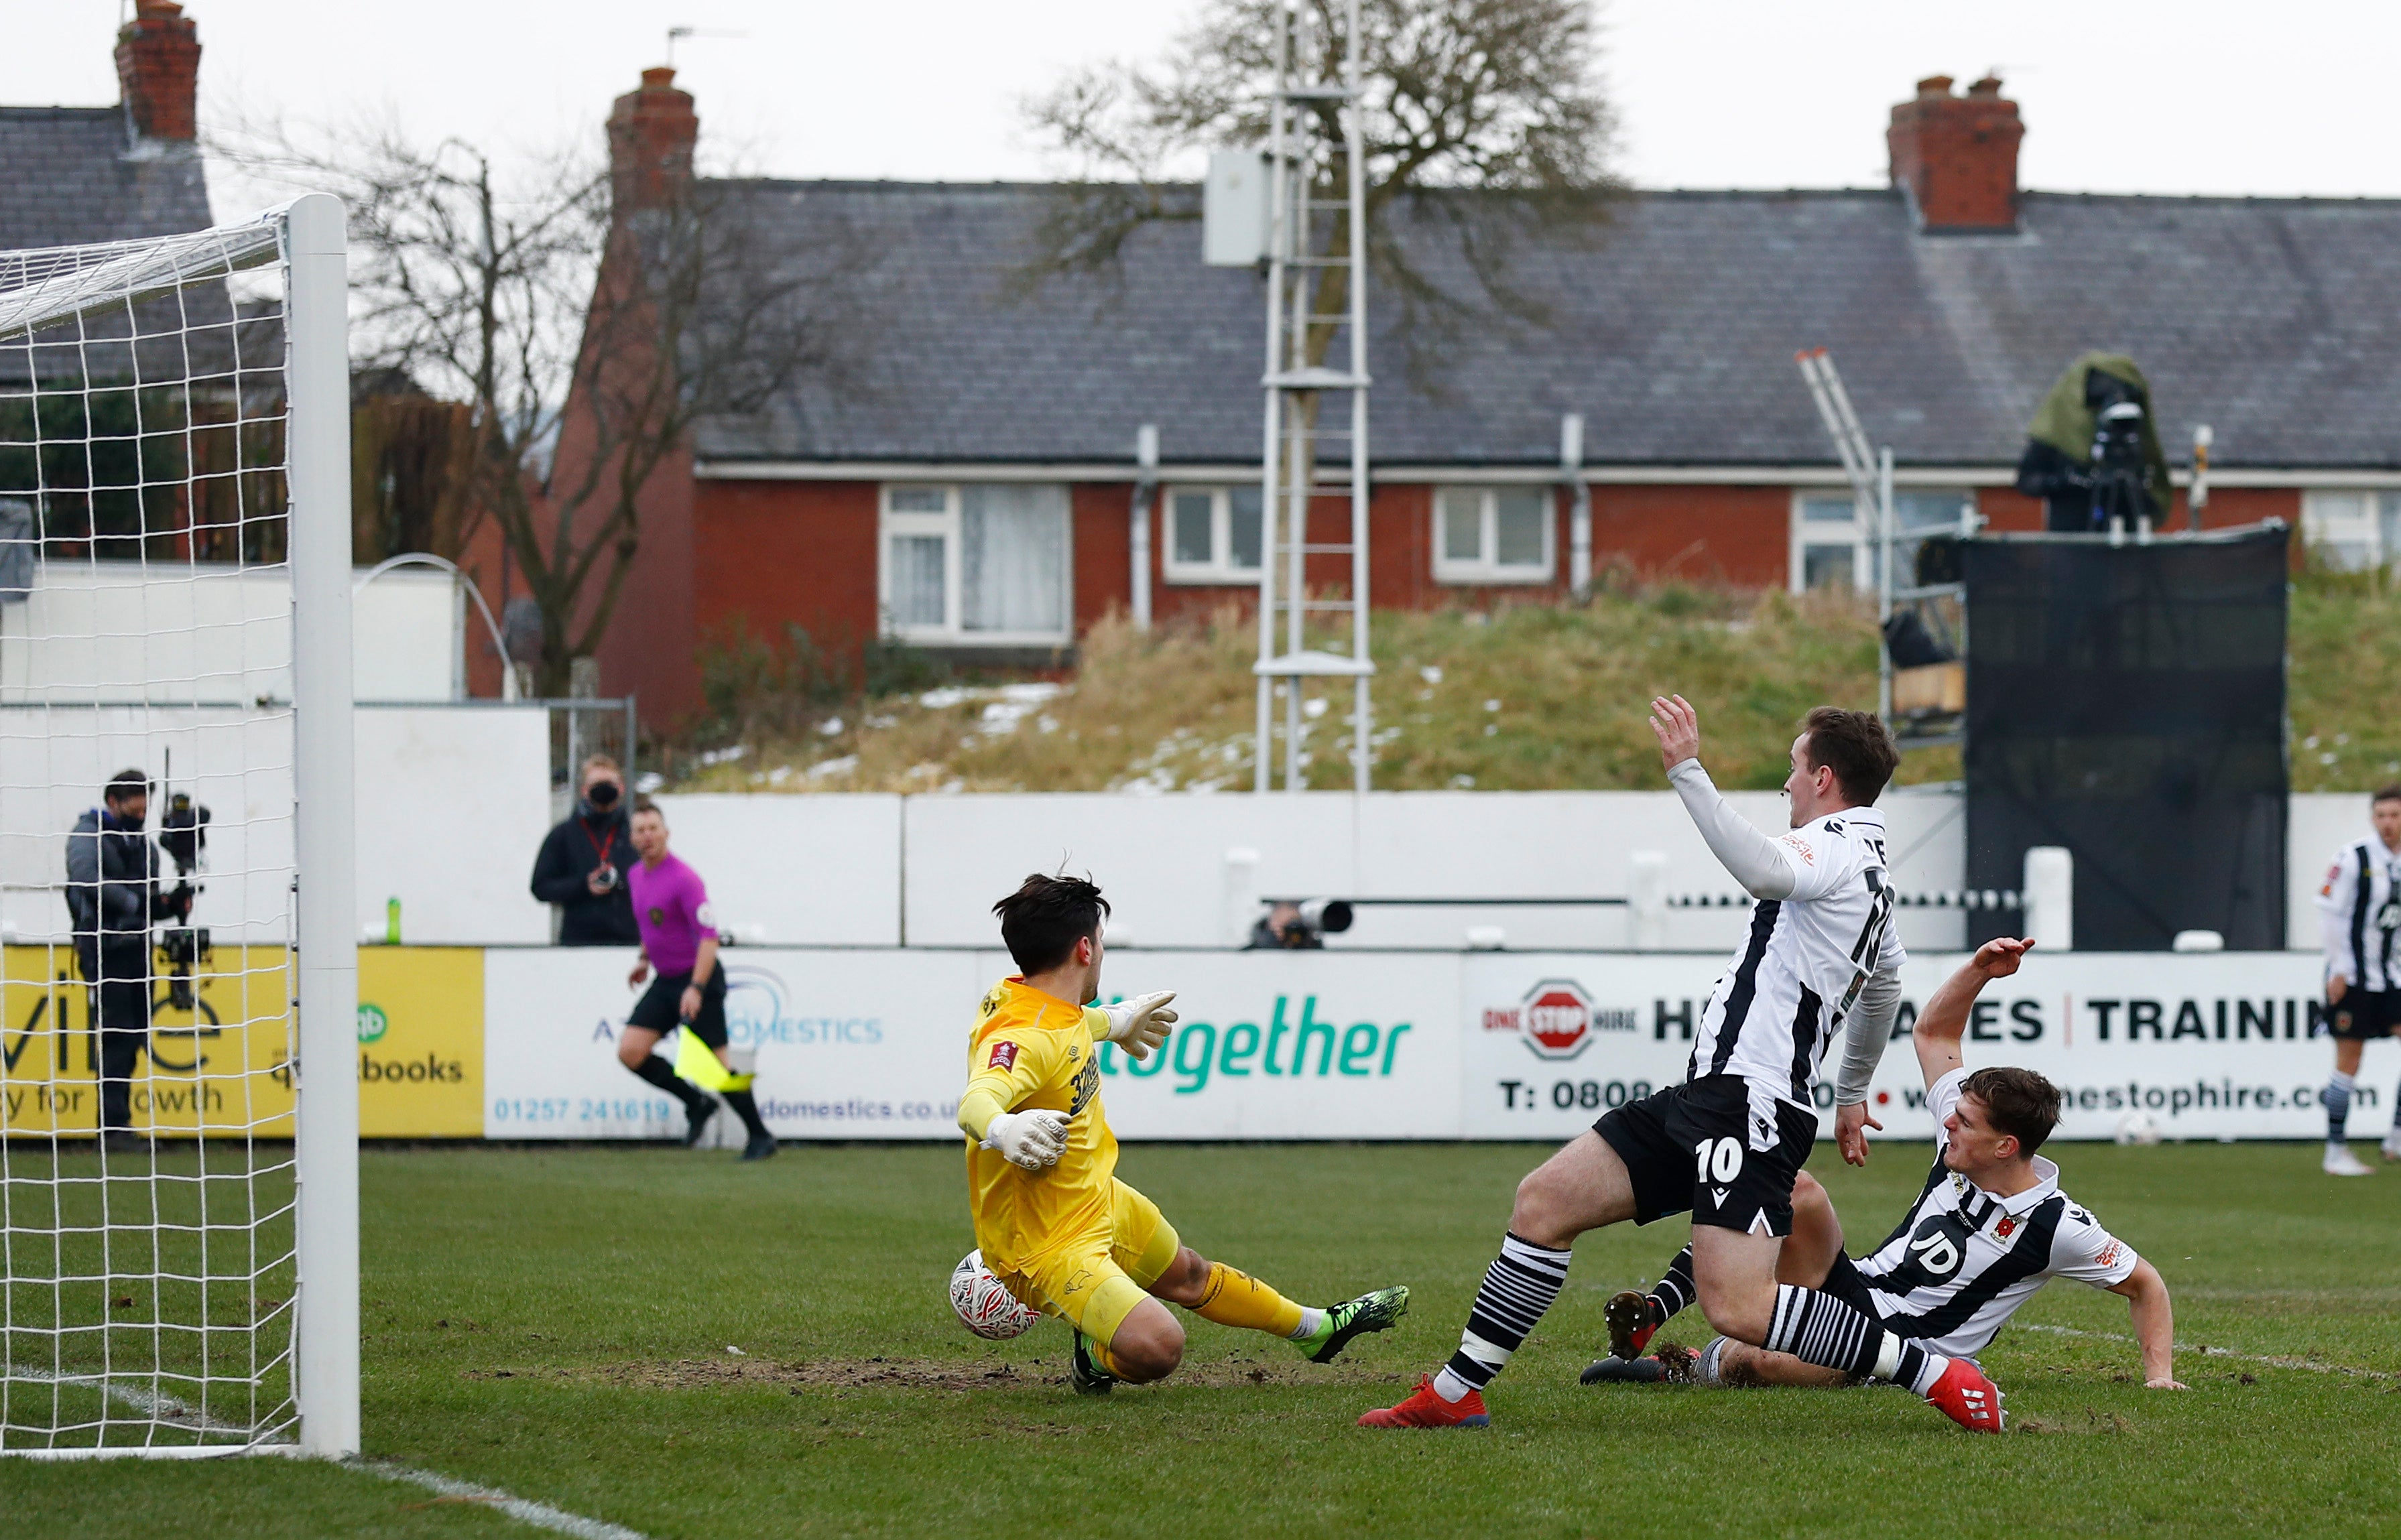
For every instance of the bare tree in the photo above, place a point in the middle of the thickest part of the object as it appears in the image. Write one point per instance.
(1481, 121)
(587, 339)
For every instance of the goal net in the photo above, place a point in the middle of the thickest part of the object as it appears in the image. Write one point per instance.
(178, 1114)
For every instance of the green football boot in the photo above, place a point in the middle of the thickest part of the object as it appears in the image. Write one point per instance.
(1373, 1312)
(1085, 1374)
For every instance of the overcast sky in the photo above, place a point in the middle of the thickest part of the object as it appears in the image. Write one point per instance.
(2162, 96)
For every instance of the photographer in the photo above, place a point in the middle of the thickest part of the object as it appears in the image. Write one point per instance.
(113, 899)
(584, 861)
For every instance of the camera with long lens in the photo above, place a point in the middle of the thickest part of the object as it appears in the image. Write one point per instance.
(2119, 468)
(183, 835)
(607, 876)
(1302, 924)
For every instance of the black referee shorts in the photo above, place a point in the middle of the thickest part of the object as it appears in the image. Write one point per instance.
(2365, 1014)
(1688, 1148)
(658, 1007)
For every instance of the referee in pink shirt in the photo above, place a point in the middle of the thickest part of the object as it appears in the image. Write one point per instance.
(680, 939)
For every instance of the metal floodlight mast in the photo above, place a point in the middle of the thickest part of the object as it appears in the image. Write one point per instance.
(1301, 154)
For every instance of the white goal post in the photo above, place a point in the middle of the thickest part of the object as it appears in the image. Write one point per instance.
(179, 1217)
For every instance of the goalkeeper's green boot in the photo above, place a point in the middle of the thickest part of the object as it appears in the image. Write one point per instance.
(1085, 1374)
(1375, 1311)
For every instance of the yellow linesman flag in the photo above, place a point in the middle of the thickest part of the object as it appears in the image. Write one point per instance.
(698, 1063)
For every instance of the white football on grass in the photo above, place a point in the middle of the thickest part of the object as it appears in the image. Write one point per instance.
(2138, 1128)
(984, 1305)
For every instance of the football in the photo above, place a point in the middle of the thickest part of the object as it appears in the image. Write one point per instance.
(2138, 1128)
(985, 1306)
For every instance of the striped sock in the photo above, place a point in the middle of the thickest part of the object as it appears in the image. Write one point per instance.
(1518, 1287)
(1821, 1329)
(2338, 1105)
(1675, 1291)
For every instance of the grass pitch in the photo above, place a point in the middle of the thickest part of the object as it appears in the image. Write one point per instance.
(561, 1324)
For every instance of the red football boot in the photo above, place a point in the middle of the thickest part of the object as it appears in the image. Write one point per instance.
(1630, 1327)
(1425, 1408)
(1967, 1397)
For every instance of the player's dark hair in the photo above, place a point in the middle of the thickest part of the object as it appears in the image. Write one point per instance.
(124, 784)
(1043, 919)
(1855, 745)
(643, 804)
(2019, 1101)
(2391, 793)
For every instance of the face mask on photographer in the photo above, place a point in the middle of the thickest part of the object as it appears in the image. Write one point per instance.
(600, 798)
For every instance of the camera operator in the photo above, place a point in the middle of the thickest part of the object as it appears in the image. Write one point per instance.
(113, 899)
(584, 861)
(2093, 451)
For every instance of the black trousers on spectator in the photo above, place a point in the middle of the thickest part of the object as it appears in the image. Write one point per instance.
(120, 1014)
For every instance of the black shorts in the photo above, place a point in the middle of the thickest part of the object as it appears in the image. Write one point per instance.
(1688, 1148)
(1845, 1282)
(2365, 1014)
(660, 1003)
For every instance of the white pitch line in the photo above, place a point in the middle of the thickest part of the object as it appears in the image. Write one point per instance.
(156, 1403)
(2310, 1365)
(524, 1510)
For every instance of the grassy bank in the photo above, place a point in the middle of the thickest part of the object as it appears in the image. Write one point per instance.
(1524, 697)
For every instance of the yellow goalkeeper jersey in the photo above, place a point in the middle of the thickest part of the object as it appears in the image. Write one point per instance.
(1034, 1050)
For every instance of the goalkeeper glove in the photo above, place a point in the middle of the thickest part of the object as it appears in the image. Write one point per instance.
(1141, 1023)
(1028, 1140)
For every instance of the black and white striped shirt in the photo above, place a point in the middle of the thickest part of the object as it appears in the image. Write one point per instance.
(2359, 905)
(1963, 1260)
(1800, 969)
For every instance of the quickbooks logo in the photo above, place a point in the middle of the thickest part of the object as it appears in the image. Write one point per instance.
(373, 1023)
(1286, 1046)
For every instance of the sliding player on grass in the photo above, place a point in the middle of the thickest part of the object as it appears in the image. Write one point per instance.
(1990, 1226)
(1054, 1224)
(1727, 1145)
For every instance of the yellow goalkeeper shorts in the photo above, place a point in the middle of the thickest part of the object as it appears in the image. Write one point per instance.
(1097, 1279)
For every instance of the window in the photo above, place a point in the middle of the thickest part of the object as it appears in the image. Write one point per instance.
(2353, 531)
(1492, 535)
(1834, 547)
(974, 563)
(1212, 534)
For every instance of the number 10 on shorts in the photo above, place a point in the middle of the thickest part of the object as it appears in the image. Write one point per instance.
(1718, 1158)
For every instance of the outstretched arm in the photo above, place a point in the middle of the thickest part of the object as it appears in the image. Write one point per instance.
(1759, 864)
(1945, 1020)
(2146, 1302)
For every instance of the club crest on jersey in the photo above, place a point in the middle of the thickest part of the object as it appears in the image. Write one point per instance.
(2008, 1226)
(1003, 1056)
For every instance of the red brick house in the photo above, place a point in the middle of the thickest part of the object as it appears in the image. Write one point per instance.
(970, 484)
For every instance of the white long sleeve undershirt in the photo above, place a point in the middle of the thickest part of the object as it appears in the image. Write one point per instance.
(1865, 1033)
(1752, 858)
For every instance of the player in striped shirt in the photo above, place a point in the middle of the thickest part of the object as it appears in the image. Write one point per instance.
(1987, 1230)
(1727, 1145)
(2360, 906)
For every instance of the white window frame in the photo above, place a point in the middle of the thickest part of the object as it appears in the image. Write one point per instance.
(1857, 531)
(891, 523)
(1486, 570)
(2363, 520)
(1854, 531)
(1219, 568)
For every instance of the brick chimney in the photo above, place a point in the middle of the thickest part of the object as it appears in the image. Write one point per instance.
(651, 135)
(158, 70)
(1956, 156)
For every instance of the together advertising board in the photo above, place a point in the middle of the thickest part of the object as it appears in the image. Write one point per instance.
(859, 1043)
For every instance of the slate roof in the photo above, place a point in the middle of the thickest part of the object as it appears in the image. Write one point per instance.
(72, 180)
(2277, 321)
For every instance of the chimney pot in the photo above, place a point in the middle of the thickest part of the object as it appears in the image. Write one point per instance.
(1956, 156)
(652, 132)
(159, 72)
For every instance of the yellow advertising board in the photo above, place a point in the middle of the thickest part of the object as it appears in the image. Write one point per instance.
(420, 1042)
(217, 1058)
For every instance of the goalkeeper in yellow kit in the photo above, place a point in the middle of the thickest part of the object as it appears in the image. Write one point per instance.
(1052, 1220)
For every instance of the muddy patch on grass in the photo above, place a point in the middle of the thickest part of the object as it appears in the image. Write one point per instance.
(920, 1373)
